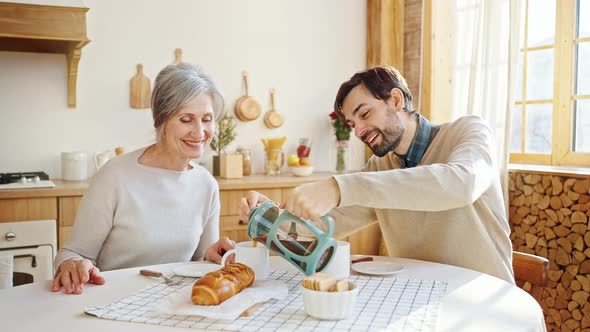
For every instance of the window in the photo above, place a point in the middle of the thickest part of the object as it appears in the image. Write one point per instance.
(551, 116)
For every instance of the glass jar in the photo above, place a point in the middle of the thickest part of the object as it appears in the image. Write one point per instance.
(246, 161)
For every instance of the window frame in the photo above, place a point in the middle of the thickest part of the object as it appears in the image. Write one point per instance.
(564, 95)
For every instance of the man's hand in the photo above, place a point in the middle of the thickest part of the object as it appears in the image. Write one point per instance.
(217, 249)
(313, 200)
(252, 200)
(73, 274)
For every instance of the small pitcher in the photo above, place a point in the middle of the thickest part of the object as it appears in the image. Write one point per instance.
(275, 159)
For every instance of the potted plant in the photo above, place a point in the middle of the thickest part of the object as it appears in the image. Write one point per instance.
(224, 164)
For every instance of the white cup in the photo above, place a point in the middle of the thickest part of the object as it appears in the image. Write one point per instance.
(255, 257)
(340, 264)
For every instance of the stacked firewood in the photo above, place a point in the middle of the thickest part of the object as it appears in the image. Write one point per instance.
(549, 216)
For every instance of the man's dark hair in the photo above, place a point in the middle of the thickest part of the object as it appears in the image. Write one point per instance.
(379, 81)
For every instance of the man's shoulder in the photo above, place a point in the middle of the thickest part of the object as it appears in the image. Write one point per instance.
(468, 121)
(465, 124)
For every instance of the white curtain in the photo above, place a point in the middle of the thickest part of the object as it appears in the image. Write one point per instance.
(485, 57)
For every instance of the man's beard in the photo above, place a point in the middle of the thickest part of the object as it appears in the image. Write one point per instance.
(390, 140)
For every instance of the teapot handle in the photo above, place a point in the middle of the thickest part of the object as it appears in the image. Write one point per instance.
(330, 221)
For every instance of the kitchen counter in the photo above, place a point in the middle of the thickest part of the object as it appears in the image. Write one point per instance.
(77, 188)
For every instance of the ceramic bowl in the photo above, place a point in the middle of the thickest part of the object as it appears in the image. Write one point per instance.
(330, 305)
(302, 170)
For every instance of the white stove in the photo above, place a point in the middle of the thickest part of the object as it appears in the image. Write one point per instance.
(25, 180)
(32, 245)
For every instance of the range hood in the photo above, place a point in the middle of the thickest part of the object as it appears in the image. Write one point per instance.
(45, 29)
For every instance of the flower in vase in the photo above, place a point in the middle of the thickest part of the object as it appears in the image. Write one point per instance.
(341, 128)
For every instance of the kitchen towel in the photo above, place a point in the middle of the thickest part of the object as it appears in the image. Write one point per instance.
(6, 270)
(179, 302)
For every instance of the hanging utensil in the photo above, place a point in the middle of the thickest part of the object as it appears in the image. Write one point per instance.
(247, 108)
(141, 91)
(272, 118)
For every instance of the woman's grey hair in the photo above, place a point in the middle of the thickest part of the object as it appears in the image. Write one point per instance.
(175, 86)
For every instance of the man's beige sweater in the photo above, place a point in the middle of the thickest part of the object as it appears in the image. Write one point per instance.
(448, 209)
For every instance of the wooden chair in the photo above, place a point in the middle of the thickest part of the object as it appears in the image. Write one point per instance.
(530, 268)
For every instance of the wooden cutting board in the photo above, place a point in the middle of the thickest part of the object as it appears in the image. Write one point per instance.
(141, 90)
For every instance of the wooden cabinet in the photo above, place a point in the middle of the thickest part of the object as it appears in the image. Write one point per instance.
(45, 29)
(68, 207)
(62, 202)
(23, 209)
(366, 241)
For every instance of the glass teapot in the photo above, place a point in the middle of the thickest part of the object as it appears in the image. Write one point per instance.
(309, 254)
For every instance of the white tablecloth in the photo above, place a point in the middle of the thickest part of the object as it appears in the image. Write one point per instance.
(474, 301)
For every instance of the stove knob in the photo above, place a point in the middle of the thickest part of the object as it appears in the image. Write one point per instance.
(36, 179)
(23, 180)
(10, 236)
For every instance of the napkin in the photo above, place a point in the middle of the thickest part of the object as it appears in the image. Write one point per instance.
(179, 302)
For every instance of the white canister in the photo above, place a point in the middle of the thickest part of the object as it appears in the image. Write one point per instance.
(74, 166)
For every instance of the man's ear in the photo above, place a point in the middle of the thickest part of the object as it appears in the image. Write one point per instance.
(396, 100)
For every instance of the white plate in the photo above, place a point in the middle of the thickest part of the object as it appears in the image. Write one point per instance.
(377, 268)
(195, 270)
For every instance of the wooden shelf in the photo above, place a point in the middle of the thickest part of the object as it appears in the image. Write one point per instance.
(45, 29)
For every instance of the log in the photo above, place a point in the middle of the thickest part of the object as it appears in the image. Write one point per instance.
(557, 184)
(546, 181)
(518, 200)
(587, 252)
(587, 239)
(565, 200)
(567, 222)
(580, 297)
(572, 324)
(585, 282)
(584, 199)
(555, 203)
(566, 280)
(579, 228)
(523, 211)
(584, 267)
(567, 185)
(543, 202)
(562, 258)
(531, 240)
(532, 179)
(539, 188)
(561, 231)
(574, 196)
(579, 217)
(549, 234)
(575, 286)
(554, 275)
(551, 214)
(552, 244)
(528, 190)
(536, 198)
(519, 183)
(585, 323)
(565, 244)
(576, 314)
(581, 186)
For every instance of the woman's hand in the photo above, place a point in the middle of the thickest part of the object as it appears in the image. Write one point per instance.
(252, 200)
(73, 274)
(216, 250)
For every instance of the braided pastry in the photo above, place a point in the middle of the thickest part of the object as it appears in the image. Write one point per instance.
(218, 286)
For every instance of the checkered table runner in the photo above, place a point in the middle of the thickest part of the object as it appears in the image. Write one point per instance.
(383, 304)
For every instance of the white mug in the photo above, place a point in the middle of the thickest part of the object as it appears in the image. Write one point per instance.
(340, 264)
(255, 257)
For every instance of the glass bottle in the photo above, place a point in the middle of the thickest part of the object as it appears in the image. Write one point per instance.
(246, 161)
(341, 152)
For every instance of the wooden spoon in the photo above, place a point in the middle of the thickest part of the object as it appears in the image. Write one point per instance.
(272, 118)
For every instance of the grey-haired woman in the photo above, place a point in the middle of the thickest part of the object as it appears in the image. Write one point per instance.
(152, 205)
